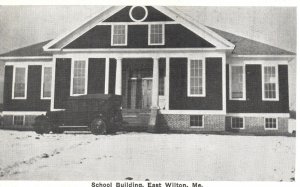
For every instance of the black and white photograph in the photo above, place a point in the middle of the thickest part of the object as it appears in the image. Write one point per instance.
(148, 93)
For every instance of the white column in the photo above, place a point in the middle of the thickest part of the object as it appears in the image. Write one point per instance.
(118, 88)
(106, 88)
(167, 86)
(224, 82)
(155, 81)
(53, 84)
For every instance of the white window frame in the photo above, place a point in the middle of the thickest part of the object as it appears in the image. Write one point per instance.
(237, 117)
(197, 127)
(13, 121)
(263, 82)
(276, 120)
(14, 79)
(203, 78)
(230, 81)
(112, 35)
(86, 76)
(140, 20)
(163, 34)
(42, 81)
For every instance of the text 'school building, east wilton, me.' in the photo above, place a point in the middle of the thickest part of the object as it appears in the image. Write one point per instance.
(170, 71)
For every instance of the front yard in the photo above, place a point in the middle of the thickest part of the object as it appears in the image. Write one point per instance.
(141, 156)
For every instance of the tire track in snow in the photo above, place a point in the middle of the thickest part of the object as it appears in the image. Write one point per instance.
(13, 169)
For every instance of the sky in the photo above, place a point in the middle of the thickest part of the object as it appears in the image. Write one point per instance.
(24, 25)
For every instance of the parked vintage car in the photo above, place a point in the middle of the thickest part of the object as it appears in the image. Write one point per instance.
(100, 113)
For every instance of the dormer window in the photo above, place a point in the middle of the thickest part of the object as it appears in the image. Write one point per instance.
(118, 35)
(156, 34)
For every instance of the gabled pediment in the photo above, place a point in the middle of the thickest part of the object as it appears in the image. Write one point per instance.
(176, 36)
(201, 36)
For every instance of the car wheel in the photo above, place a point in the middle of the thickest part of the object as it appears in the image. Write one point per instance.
(41, 125)
(98, 126)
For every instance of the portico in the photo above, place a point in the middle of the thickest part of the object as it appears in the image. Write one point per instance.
(135, 72)
(138, 81)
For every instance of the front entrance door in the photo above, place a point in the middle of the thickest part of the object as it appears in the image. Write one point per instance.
(137, 83)
(140, 93)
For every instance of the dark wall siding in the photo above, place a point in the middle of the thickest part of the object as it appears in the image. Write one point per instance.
(137, 36)
(179, 36)
(33, 101)
(97, 37)
(283, 87)
(96, 76)
(34, 89)
(112, 75)
(253, 102)
(176, 36)
(123, 15)
(62, 82)
(177, 95)
(156, 15)
(7, 91)
(178, 86)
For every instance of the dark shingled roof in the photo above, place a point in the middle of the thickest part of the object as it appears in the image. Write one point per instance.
(28, 51)
(245, 46)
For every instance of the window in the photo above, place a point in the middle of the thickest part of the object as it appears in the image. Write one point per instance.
(156, 34)
(196, 121)
(18, 120)
(138, 13)
(79, 77)
(237, 123)
(119, 35)
(270, 83)
(46, 82)
(237, 82)
(20, 83)
(270, 123)
(196, 78)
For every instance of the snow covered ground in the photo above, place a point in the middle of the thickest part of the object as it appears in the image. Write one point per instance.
(141, 156)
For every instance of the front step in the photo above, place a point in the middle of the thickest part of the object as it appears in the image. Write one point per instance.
(136, 119)
(135, 111)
